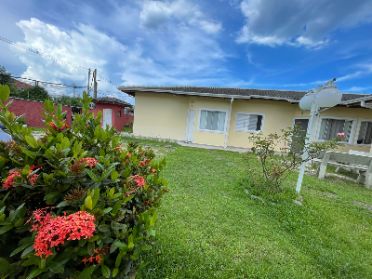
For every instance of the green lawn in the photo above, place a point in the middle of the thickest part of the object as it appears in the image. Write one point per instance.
(209, 227)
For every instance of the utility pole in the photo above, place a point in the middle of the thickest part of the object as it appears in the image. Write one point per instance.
(95, 84)
(88, 86)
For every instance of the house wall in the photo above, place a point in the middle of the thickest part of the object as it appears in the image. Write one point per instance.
(160, 116)
(119, 119)
(277, 115)
(165, 116)
(33, 111)
(207, 137)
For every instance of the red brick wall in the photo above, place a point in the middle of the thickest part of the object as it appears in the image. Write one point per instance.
(32, 111)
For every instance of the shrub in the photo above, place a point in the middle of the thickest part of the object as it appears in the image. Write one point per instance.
(276, 163)
(74, 204)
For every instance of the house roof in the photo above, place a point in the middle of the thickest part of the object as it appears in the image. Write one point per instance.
(290, 96)
(112, 100)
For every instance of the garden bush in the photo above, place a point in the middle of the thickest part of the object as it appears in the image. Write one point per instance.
(279, 154)
(74, 203)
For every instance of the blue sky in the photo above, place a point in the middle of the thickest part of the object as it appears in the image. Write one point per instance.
(288, 44)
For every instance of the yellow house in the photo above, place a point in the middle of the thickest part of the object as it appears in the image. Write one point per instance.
(226, 117)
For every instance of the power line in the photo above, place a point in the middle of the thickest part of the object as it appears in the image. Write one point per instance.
(48, 82)
(41, 53)
(59, 62)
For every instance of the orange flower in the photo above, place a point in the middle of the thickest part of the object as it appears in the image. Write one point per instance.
(53, 231)
(90, 162)
(9, 181)
(138, 180)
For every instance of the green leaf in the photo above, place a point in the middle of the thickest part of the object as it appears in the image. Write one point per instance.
(86, 273)
(19, 249)
(88, 202)
(34, 273)
(77, 149)
(4, 92)
(114, 175)
(4, 267)
(31, 141)
(51, 197)
(5, 228)
(27, 251)
(106, 272)
(62, 204)
(107, 210)
(19, 212)
(115, 272)
(130, 242)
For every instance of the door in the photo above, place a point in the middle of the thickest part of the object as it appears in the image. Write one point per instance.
(190, 125)
(107, 118)
(298, 139)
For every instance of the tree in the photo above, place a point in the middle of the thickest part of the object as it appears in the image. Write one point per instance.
(5, 77)
(34, 93)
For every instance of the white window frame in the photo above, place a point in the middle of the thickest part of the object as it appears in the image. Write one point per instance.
(213, 110)
(357, 130)
(250, 113)
(352, 131)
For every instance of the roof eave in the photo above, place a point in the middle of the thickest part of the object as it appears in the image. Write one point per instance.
(132, 92)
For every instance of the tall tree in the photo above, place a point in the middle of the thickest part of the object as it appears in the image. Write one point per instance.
(5, 77)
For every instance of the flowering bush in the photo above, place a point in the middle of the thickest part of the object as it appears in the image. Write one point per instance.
(74, 203)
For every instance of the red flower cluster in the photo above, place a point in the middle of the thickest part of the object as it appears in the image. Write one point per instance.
(144, 163)
(9, 181)
(54, 126)
(33, 178)
(96, 258)
(90, 162)
(139, 180)
(92, 259)
(53, 231)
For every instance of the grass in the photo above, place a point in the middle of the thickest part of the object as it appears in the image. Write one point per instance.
(209, 227)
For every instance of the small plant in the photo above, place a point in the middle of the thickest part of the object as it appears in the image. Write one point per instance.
(75, 203)
(279, 154)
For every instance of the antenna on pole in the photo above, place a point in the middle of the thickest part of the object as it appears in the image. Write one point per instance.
(95, 85)
(325, 96)
(88, 87)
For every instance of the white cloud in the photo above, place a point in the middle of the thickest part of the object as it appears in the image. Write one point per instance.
(299, 23)
(184, 53)
(66, 55)
(362, 71)
(155, 14)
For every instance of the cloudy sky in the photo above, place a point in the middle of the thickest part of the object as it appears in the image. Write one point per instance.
(288, 44)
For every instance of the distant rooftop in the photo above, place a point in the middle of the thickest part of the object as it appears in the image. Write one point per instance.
(112, 100)
(290, 96)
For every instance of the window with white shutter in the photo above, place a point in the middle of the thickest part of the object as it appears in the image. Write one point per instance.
(329, 128)
(248, 122)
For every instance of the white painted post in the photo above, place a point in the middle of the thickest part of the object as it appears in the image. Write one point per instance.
(227, 128)
(368, 182)
(310, 134)
(323, 166)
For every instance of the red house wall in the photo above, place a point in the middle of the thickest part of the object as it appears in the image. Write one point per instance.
(32, 111)
(119, 119)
